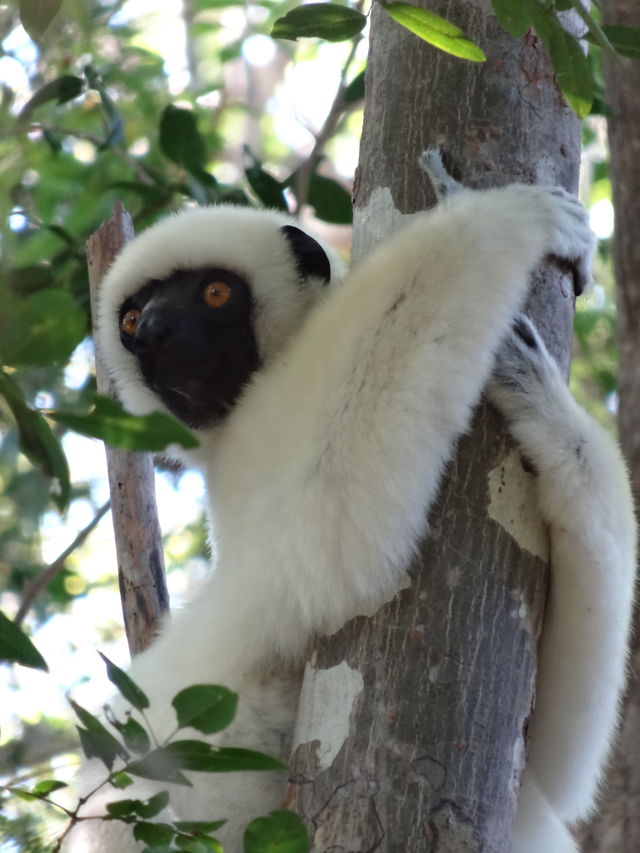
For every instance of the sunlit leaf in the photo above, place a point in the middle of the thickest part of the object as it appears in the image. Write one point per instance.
(280, 832)
(47, 786)
(16, 647)
(327, 21)
(112, 424)
(434, 30)
(37, 15)
(199, 844)
(205, 707)
(37, 441)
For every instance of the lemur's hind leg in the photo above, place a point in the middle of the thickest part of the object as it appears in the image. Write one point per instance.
(585, 499)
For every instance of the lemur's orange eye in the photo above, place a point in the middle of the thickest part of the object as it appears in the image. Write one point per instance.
(216, 293)
(129, 322)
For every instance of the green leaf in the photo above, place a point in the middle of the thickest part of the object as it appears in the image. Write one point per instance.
(109, 421)
(595, 30)
(61, 89)
(151, 194)
(280, 832)
(41, 329)
(264, 185)
(227, 759)
(205, 707)
(198, 825)
(355, 90)
(180, 139)
(120, 780)
(154, 805)
(47, 786)
(434, 30)
(134, 735)
(327, 21)
(96, 740)
(573, 73)
(125, 684)
(154, 834)
(37, 15)
(114, 121)
(21, 794)
(16, 647)
(122, 808)
(571, 66)
(160, 764)
(200, 844)
(25, 280)
(37, 441)
(331, 201)
(512, 15)
(163, 763)
(625, 40)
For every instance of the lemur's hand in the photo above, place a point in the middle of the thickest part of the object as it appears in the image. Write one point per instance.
(570, 237)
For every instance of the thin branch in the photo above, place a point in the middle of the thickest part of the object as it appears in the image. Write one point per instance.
(120, 152)
(338, 108)
(34, 587)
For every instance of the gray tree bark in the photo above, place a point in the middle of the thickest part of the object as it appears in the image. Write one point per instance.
(143, 591)
(412, 724)
(617, 827)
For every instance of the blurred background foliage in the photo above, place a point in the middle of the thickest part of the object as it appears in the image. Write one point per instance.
(158, 105)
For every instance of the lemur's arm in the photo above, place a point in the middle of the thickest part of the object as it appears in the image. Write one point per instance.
(351, 429)
(585, 498)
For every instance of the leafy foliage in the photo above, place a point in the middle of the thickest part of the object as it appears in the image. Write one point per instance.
(327, 21)
(207, 707)
(109, 421)
(96, 118)
(435, 30)
(16, 647)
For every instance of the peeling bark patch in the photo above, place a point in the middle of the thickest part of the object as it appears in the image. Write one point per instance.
(434, 771)
(376, 221)
(513, 505)
(331, 694)
(448, 829)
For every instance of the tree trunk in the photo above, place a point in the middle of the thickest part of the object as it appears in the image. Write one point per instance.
(145, 600)
(617, 827)
(412, 724)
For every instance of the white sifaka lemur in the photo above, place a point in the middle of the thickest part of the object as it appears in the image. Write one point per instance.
(327, 405)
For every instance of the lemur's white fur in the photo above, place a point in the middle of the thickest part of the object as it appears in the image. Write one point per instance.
(321, 477)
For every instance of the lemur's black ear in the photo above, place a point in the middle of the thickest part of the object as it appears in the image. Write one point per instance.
(311, 258)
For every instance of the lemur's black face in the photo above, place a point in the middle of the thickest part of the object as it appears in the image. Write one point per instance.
(192, 334)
